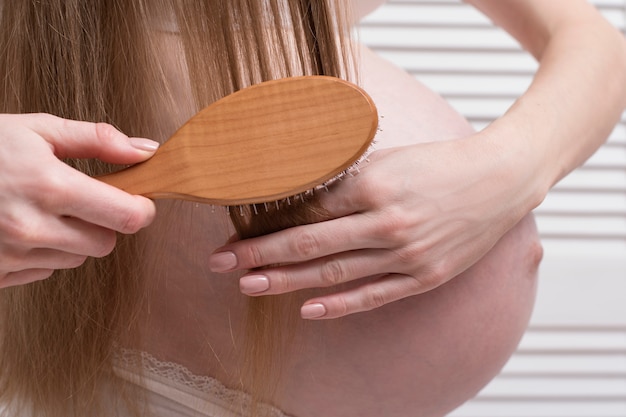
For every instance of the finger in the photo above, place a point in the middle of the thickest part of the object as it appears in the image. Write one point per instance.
(36, 229)
(375, 294)
(40, 259)
(344, 197)
(36, 265)
(299, 244)
(356, 192)
(24, 277)
(76, 139)
(319, 273)
(71, 193)
(81, 238)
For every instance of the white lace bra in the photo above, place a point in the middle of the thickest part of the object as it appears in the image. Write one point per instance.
(172, 390)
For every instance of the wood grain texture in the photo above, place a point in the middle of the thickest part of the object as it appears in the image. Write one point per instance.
(262, 143)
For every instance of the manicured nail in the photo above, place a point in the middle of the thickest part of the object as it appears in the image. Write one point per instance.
(222, 261)
(144, 144)
(254, 284)
(313, 311)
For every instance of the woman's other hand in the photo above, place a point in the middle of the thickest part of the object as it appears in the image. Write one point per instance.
(51, 215)
(410, 220)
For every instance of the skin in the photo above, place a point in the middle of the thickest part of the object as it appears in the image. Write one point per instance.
(422, 356)
(391, 240)
(417, 235)
(52, 216)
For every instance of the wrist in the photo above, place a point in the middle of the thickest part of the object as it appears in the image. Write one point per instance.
(524, 170)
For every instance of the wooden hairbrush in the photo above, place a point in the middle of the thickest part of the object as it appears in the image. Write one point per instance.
(263, 143)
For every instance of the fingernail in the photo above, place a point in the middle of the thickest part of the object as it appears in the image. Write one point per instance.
(254, 284)
(144, 144)
(313, 311)
(222, 261)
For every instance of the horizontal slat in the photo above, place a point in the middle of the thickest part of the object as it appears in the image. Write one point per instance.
(571, 389)
(477, 85)
(571, 365)
(527, 408)
(463, 63)
(609, 174)
(612, 155)
(571, 202)
(575, 338)
(431, 13)
(619, 4)
(387, 41)
(446, 12)
(618, 137)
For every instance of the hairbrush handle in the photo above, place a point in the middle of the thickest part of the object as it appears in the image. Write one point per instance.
(263, 143)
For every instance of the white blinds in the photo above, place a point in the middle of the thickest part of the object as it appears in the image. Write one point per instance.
(572, 362)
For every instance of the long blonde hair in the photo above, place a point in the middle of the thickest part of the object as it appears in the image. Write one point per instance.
(97, 60)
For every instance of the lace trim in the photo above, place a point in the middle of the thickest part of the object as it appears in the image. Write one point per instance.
(176, 376)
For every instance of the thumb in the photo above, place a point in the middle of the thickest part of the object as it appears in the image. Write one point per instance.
(76, 139)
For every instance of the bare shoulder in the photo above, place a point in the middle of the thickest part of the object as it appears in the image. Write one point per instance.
(362, 8)
(409, 111)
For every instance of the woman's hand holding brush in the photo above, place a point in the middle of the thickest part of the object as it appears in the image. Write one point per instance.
(51, 215)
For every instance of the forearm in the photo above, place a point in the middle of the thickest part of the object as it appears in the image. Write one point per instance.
(574, 101)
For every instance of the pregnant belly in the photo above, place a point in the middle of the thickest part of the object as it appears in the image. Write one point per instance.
(427, 354)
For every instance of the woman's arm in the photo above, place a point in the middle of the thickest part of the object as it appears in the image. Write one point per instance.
(576, 96)
(419, 215)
